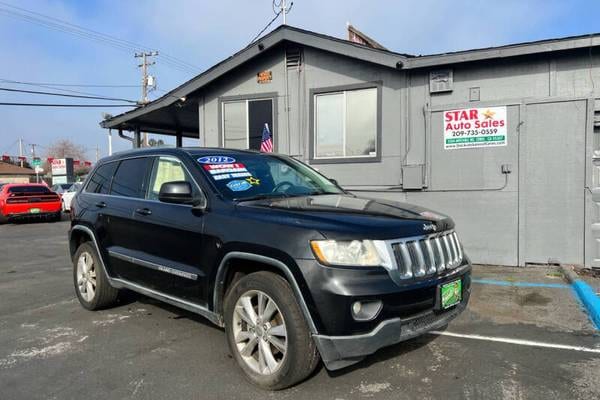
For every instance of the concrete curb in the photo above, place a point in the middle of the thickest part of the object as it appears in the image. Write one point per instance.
(585, 293)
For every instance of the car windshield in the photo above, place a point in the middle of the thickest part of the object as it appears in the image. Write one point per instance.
(245, 177)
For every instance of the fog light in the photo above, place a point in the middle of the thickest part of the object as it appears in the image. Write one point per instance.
(366, 310)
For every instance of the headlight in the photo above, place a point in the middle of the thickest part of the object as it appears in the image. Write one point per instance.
(364, 253)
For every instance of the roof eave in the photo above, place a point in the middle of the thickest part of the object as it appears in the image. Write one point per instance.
(522, 49)
(283, 33)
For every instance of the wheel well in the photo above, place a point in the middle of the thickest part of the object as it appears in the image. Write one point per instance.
(236, 269)
(78, 237)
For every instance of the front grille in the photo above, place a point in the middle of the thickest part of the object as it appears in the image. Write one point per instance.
(428, 255)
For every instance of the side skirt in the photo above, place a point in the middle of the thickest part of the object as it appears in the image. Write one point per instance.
(177, 302)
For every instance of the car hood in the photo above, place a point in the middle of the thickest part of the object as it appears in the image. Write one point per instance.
(347, 216)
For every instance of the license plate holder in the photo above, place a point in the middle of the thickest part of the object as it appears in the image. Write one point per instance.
(450, 294)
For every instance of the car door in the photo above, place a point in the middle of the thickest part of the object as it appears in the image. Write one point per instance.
(170, 236)
(127, 189)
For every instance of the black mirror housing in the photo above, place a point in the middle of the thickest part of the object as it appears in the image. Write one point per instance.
(176, 192)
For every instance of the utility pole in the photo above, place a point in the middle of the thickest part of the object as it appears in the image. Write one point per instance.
(110, 142)
(21, 151)
(147, 81)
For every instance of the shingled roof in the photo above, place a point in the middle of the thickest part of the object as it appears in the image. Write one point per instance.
(10, 169)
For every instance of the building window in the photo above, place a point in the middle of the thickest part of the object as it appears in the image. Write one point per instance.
(346, 124)
(243, 122)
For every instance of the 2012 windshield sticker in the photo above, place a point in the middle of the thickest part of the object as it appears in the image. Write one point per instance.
(216, 160)
(475, 127)
(238, 185)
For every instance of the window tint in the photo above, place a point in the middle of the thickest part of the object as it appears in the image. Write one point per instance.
(100, 181)
(130, 178)
(346, 124)
(167, 169)
(29, 189)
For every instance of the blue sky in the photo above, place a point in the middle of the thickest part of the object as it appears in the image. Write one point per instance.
(203, 32)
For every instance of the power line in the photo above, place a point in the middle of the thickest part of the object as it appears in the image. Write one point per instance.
(81, 32)
(265, 28)
(72, 84)
(49, 87)
(65, 105)
(66, 95)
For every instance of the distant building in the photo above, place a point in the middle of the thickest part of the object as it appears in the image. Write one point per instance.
(10, 173)
(506, 139)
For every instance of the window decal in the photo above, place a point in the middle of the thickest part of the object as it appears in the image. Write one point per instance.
(238, 185)
(216, 160)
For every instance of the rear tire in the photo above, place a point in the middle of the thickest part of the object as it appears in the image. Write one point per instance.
(91, 283)
(277, 351)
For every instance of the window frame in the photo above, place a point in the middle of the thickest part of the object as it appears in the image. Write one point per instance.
(313, 93)
(273, 96)
(155, 160)
(147, 178)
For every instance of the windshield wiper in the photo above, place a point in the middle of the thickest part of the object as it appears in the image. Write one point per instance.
(261, 197)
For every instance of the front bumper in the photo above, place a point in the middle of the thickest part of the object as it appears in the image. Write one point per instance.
(342, 351)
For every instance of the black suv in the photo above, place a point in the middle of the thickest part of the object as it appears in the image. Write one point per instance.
(294, 268)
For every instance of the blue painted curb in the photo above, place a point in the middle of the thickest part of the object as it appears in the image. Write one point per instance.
(520, 284)
(590, 301)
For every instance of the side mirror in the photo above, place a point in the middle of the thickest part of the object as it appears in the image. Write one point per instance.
(334, 182)
(176, 192)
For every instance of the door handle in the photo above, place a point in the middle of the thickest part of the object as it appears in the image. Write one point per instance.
(101, 204)
(143, 211)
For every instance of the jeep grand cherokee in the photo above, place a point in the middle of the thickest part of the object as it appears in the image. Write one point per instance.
(294, 268)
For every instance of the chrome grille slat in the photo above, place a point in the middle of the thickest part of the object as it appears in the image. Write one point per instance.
(431, 267)
(419, 269)
(460, 254)
(438, 245)
(406, 271)
(448, 251)
(428, 255)
(454, 249)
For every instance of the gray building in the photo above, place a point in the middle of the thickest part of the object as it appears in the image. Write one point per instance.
(502, 139)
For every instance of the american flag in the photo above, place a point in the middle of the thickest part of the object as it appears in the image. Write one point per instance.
(266, 143)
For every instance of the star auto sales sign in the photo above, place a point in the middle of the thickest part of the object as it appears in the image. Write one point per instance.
(475, 127)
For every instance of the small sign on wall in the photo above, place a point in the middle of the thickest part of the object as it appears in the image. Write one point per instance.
(475, 127)
(265, 76)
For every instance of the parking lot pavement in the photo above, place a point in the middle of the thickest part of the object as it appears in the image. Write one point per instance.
(516, 341)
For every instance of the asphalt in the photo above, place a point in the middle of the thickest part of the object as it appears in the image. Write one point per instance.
(51, 348)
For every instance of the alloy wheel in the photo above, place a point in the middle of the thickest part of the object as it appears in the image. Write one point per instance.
(86, 276)
(260, 332)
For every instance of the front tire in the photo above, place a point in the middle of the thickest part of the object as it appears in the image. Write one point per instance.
(267, 333)
(91, 283)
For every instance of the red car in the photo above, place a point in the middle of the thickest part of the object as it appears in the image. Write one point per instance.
(28, 200)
